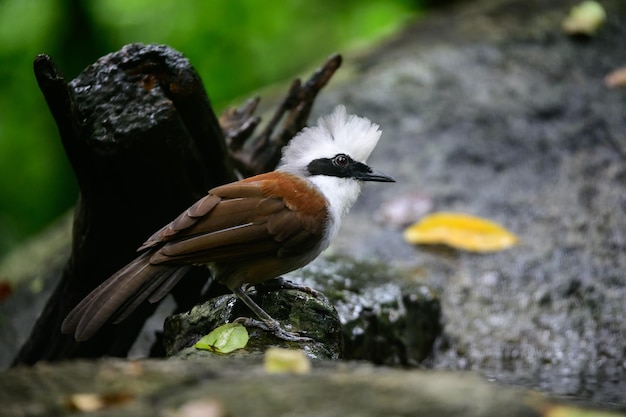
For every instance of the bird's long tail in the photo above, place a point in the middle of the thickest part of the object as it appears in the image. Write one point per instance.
(118, 296)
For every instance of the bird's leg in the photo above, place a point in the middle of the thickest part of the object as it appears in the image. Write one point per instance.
(267, 322)
(285, 284)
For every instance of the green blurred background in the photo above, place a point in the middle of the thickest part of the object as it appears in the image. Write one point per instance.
(236, 46)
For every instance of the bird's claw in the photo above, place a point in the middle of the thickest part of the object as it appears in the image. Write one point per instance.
(274, 328)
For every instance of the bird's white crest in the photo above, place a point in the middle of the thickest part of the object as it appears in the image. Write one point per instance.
(336, 133)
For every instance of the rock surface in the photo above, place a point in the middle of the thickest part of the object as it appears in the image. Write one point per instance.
(388, 316)
(382, 316)
(241, 387)
(310, 315)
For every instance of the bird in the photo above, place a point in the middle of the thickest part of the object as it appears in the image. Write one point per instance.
(249, 231)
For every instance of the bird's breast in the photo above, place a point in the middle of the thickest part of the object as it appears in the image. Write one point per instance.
(299, 195)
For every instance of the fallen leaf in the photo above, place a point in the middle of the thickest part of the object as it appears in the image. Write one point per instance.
(567, 411)
(202, 408)
(224, 339)
(460, 231)
(90, 402)
(85, 402)
(133, 368)
(616, 78)
(286, 361)
(584, 18)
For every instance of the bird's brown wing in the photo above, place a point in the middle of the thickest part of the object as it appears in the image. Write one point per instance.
(235, 222)
(245, 219)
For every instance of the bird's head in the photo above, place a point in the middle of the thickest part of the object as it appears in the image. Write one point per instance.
(338, 146)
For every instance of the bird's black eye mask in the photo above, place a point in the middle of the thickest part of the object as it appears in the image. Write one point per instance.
(340, 165)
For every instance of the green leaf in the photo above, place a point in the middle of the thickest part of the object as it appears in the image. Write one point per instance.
(585, 19)
(224, 339)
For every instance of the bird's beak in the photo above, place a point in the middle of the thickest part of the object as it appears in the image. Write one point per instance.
(374, 176)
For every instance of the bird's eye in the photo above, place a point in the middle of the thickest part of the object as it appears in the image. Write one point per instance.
(341, 160)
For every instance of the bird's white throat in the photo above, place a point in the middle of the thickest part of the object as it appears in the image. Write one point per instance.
(340, 193)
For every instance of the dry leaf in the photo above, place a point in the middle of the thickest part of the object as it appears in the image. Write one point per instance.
(567, 411)
(85, 402)
(460, 231)
(286, 361)
(201, 408)
(90, 402)
(616, 78)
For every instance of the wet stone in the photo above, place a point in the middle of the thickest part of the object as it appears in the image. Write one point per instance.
(309, 314)
(388, 316)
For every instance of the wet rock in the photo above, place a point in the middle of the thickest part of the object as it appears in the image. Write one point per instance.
(309, 314)
(382, 315)
(388, 316)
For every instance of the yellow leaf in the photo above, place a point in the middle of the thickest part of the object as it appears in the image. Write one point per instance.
(286, 361)
(460, 231)
(567, 411)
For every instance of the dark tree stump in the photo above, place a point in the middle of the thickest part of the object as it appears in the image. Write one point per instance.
(144, 143)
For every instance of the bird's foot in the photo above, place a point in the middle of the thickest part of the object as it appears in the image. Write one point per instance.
(275, 328)
(285, 284)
